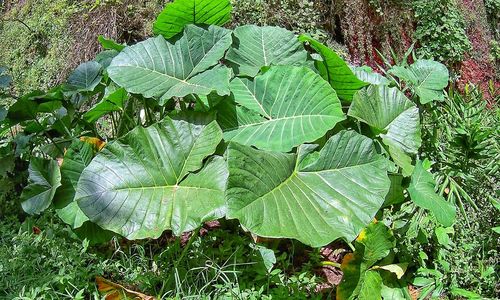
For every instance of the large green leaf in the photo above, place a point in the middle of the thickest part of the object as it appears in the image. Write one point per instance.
(180, 13)
(256, 47)
(44, 179)
(334, 69)
(77, 157)
(85, 78)
(390, 114)
(150, 180)
(312, 198)
(281, 109)
(422, 193)
(159, 68)
(427, 78)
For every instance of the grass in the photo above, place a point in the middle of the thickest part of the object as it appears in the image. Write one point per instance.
(52, 263)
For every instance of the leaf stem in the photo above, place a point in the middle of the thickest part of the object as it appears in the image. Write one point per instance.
(50, 138)
(330, 263)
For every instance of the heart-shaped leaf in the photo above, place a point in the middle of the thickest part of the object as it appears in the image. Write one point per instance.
(150, 180)
(393, 117)
(159, 68)
(281, 109)
(331, 195)
(77, 157)
(256, 47)
(427, 78)
(85, 78)
(180, 13)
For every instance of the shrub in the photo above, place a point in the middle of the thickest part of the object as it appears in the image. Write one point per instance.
(440, 30)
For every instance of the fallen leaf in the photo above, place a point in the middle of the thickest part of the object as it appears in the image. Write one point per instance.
(36, 230)
(115, 291)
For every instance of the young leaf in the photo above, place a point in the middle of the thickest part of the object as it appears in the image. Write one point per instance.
(113, 100)
(427, 78)
(423, 195)
(267, 256)
(398, 269)
(256, 47)
(334, 70)
(366, 74)
(377, 241)
(158, 68)
(281, 109)
(360, 280)
(336, 195)
(180, 13)
(109, 44)
(389, 113)
(85, 78)
(150, 180)
(44, 179)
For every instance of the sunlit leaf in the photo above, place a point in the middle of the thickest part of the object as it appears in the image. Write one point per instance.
(427, 78)
(423, 195)
(255, 47)
(180, 13)
(315, 201)
(281, 109)
(110, 44)
(334, 69)
(154, 179)
(164, 69)
(390, 114)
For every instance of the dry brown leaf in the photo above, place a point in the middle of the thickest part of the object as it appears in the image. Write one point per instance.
(115, 291)
(98, 143)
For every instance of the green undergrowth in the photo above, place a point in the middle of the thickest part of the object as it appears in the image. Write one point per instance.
(35, 42)
(40, 258)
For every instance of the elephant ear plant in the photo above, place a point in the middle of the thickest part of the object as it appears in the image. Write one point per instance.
(254, 124)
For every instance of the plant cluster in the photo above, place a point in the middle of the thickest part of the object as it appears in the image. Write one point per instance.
(255, 125)
(41, 259)
(299, 16)
(440, 30)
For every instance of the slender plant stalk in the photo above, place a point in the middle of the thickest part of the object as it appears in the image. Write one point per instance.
(184, 252)
(331, 264)
(50, 138)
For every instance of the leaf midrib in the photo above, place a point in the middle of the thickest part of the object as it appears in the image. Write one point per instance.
(295, 173)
